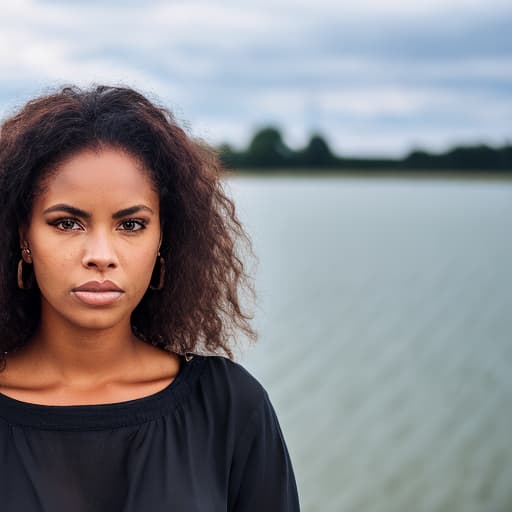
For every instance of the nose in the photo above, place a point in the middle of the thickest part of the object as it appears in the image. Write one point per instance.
(99, 252)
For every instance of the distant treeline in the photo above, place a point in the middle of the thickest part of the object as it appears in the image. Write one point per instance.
(268, 151)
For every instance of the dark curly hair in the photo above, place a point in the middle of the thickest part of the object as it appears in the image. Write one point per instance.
(199, 307)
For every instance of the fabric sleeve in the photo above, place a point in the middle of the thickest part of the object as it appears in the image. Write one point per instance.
(262, 476)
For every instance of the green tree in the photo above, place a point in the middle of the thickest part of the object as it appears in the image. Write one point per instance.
(419, 159)
(229, 157)
(480, 157)
(317, 153)
(267, 149)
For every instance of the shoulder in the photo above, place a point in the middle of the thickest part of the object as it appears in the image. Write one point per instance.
(232, 379)
(235, 411)
(260, 471)
(229, 386)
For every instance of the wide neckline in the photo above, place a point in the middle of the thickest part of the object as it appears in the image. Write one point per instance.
(103, 416)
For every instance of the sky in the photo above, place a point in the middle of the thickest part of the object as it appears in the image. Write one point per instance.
(374, 77)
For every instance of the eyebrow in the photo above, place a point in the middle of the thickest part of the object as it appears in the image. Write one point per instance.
(77, 212)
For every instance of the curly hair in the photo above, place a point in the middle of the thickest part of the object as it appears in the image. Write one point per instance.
(199, 308)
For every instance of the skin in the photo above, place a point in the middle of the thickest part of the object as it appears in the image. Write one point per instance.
(87, 354)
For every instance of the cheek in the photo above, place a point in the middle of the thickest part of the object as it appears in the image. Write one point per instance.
(50, 254)
(52, 268)
(140, 268)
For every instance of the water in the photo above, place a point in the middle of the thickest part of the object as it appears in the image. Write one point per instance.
(385, 338)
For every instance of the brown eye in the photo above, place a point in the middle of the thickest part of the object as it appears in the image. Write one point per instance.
(132, 225)
(67, 224)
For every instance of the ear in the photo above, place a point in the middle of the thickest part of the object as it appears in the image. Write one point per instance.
(160, 242)
(22, 233)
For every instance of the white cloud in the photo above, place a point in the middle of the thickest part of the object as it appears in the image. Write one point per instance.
(231, 66)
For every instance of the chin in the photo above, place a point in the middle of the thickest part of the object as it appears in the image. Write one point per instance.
(96, 319)
(86, 317)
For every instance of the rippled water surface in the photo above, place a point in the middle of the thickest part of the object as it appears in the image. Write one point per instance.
(385, 325)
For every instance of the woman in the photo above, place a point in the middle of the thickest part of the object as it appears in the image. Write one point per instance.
(118, 296)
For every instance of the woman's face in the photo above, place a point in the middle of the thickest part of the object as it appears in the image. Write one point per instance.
(95, 220)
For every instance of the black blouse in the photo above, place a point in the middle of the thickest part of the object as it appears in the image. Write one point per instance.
(210, 441)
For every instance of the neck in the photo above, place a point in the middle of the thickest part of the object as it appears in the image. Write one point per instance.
(78, 356)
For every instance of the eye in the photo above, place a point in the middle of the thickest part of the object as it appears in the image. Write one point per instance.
(133, 225)
(67, 224)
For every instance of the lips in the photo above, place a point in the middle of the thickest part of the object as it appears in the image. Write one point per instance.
(96, 286)
(95, 293)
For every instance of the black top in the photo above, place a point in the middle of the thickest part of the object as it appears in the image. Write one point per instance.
(210, 441)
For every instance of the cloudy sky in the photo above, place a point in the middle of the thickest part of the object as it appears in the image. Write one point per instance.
(376, 77)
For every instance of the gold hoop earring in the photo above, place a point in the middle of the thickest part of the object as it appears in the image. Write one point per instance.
(161, 274)
(21, 283)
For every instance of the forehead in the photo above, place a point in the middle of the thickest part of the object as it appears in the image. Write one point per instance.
(107, 177)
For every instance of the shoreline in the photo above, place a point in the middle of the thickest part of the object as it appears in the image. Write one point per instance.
(371, 174)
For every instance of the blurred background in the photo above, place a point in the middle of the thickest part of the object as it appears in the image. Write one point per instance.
(370, 144)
